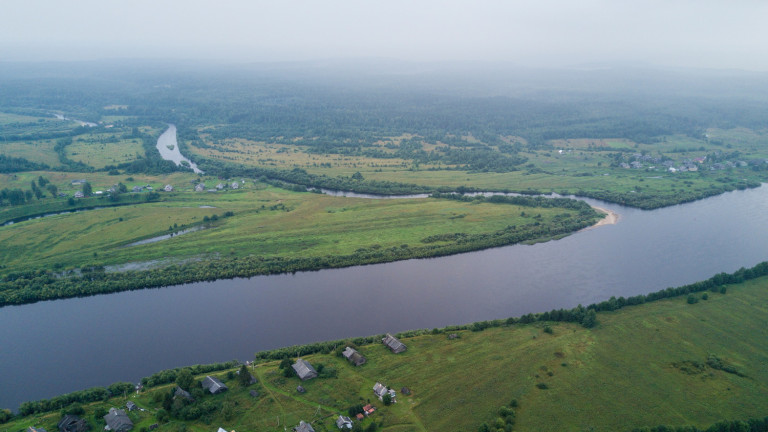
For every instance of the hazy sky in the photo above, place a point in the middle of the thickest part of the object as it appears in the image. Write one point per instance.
(696, 33)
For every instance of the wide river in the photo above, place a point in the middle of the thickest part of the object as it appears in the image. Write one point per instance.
(60, 346)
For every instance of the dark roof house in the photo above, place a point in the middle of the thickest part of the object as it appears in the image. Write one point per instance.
(130, 405)
(353, 356)
(180, 392)
(344, 422)
(213, 385)
(34, 429)
(303, 427)
(72, 423)
(304, 370)
(393, 344)
(118, 421)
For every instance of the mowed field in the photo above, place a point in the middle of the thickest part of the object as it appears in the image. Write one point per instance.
(633, 370)
(265, 221)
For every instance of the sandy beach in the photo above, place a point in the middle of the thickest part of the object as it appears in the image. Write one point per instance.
(611, 218)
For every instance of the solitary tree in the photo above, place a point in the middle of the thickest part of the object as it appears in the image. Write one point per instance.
(244, 377)
(185, 379)
(87, 189)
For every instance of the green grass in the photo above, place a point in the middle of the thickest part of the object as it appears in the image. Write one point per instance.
(622, 374)
(101, 149)
(267, 222)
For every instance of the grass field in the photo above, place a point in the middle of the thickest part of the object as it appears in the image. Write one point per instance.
(267, 222)
(641, 366)
(101, 149)
(39, 151)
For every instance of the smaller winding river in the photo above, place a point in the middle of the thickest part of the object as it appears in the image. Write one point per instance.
(169, 149)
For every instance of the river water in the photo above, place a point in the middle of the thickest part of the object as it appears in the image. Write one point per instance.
(169, 149)
(53, 347)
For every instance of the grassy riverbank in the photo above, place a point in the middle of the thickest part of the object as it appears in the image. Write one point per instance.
(674, 362)
(257, 229)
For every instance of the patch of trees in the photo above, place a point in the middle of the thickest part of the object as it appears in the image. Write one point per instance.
(171, 375)
(751, 425)
(505, 419)
(68, 164)
(10, 164)
(647, 201)
(80, 397)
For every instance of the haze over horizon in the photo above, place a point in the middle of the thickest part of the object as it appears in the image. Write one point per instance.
(550, 33)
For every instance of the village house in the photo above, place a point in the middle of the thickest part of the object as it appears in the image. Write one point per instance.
(220, 186)
(235, 185)
(393, 344)
(79, 194)
(353, 356)
(213, 385)
(117, 420)
(130, 406)
(380, 390)
(344, 422)
(200, 187)
(303, 427)
(137, 189)
(181, 393)
(168, 188)
(34, 429)
(72, 423)
(369, 409)
(304, 370)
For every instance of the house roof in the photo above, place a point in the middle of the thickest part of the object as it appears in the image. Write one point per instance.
(304, 370)
(343, 421)
(118, 420)
(180, 392)
(34, 429)
(393, 343)
(380, 389)
(303, 427)
(213, 385)
(353, 356)
(72, 423)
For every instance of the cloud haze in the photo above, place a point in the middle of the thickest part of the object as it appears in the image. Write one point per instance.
(702, 33)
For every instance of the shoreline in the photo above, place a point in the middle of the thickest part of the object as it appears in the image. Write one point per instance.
(611, 218)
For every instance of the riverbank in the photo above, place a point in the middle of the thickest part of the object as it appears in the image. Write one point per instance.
(289, 232)
(558, 374)
(611, 217)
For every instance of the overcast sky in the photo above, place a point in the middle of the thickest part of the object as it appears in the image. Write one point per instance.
(689, 33)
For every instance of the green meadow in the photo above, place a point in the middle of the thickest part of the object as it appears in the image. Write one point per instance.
(667, 362)
(265, 221)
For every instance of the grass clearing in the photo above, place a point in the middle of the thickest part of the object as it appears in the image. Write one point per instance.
(101, 149)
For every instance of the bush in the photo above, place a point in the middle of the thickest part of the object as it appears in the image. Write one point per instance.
(692, 299)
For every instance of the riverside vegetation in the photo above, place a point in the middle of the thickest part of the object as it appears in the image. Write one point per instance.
(660, 360)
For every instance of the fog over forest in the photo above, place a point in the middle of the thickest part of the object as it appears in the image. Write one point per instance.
(552, 33)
